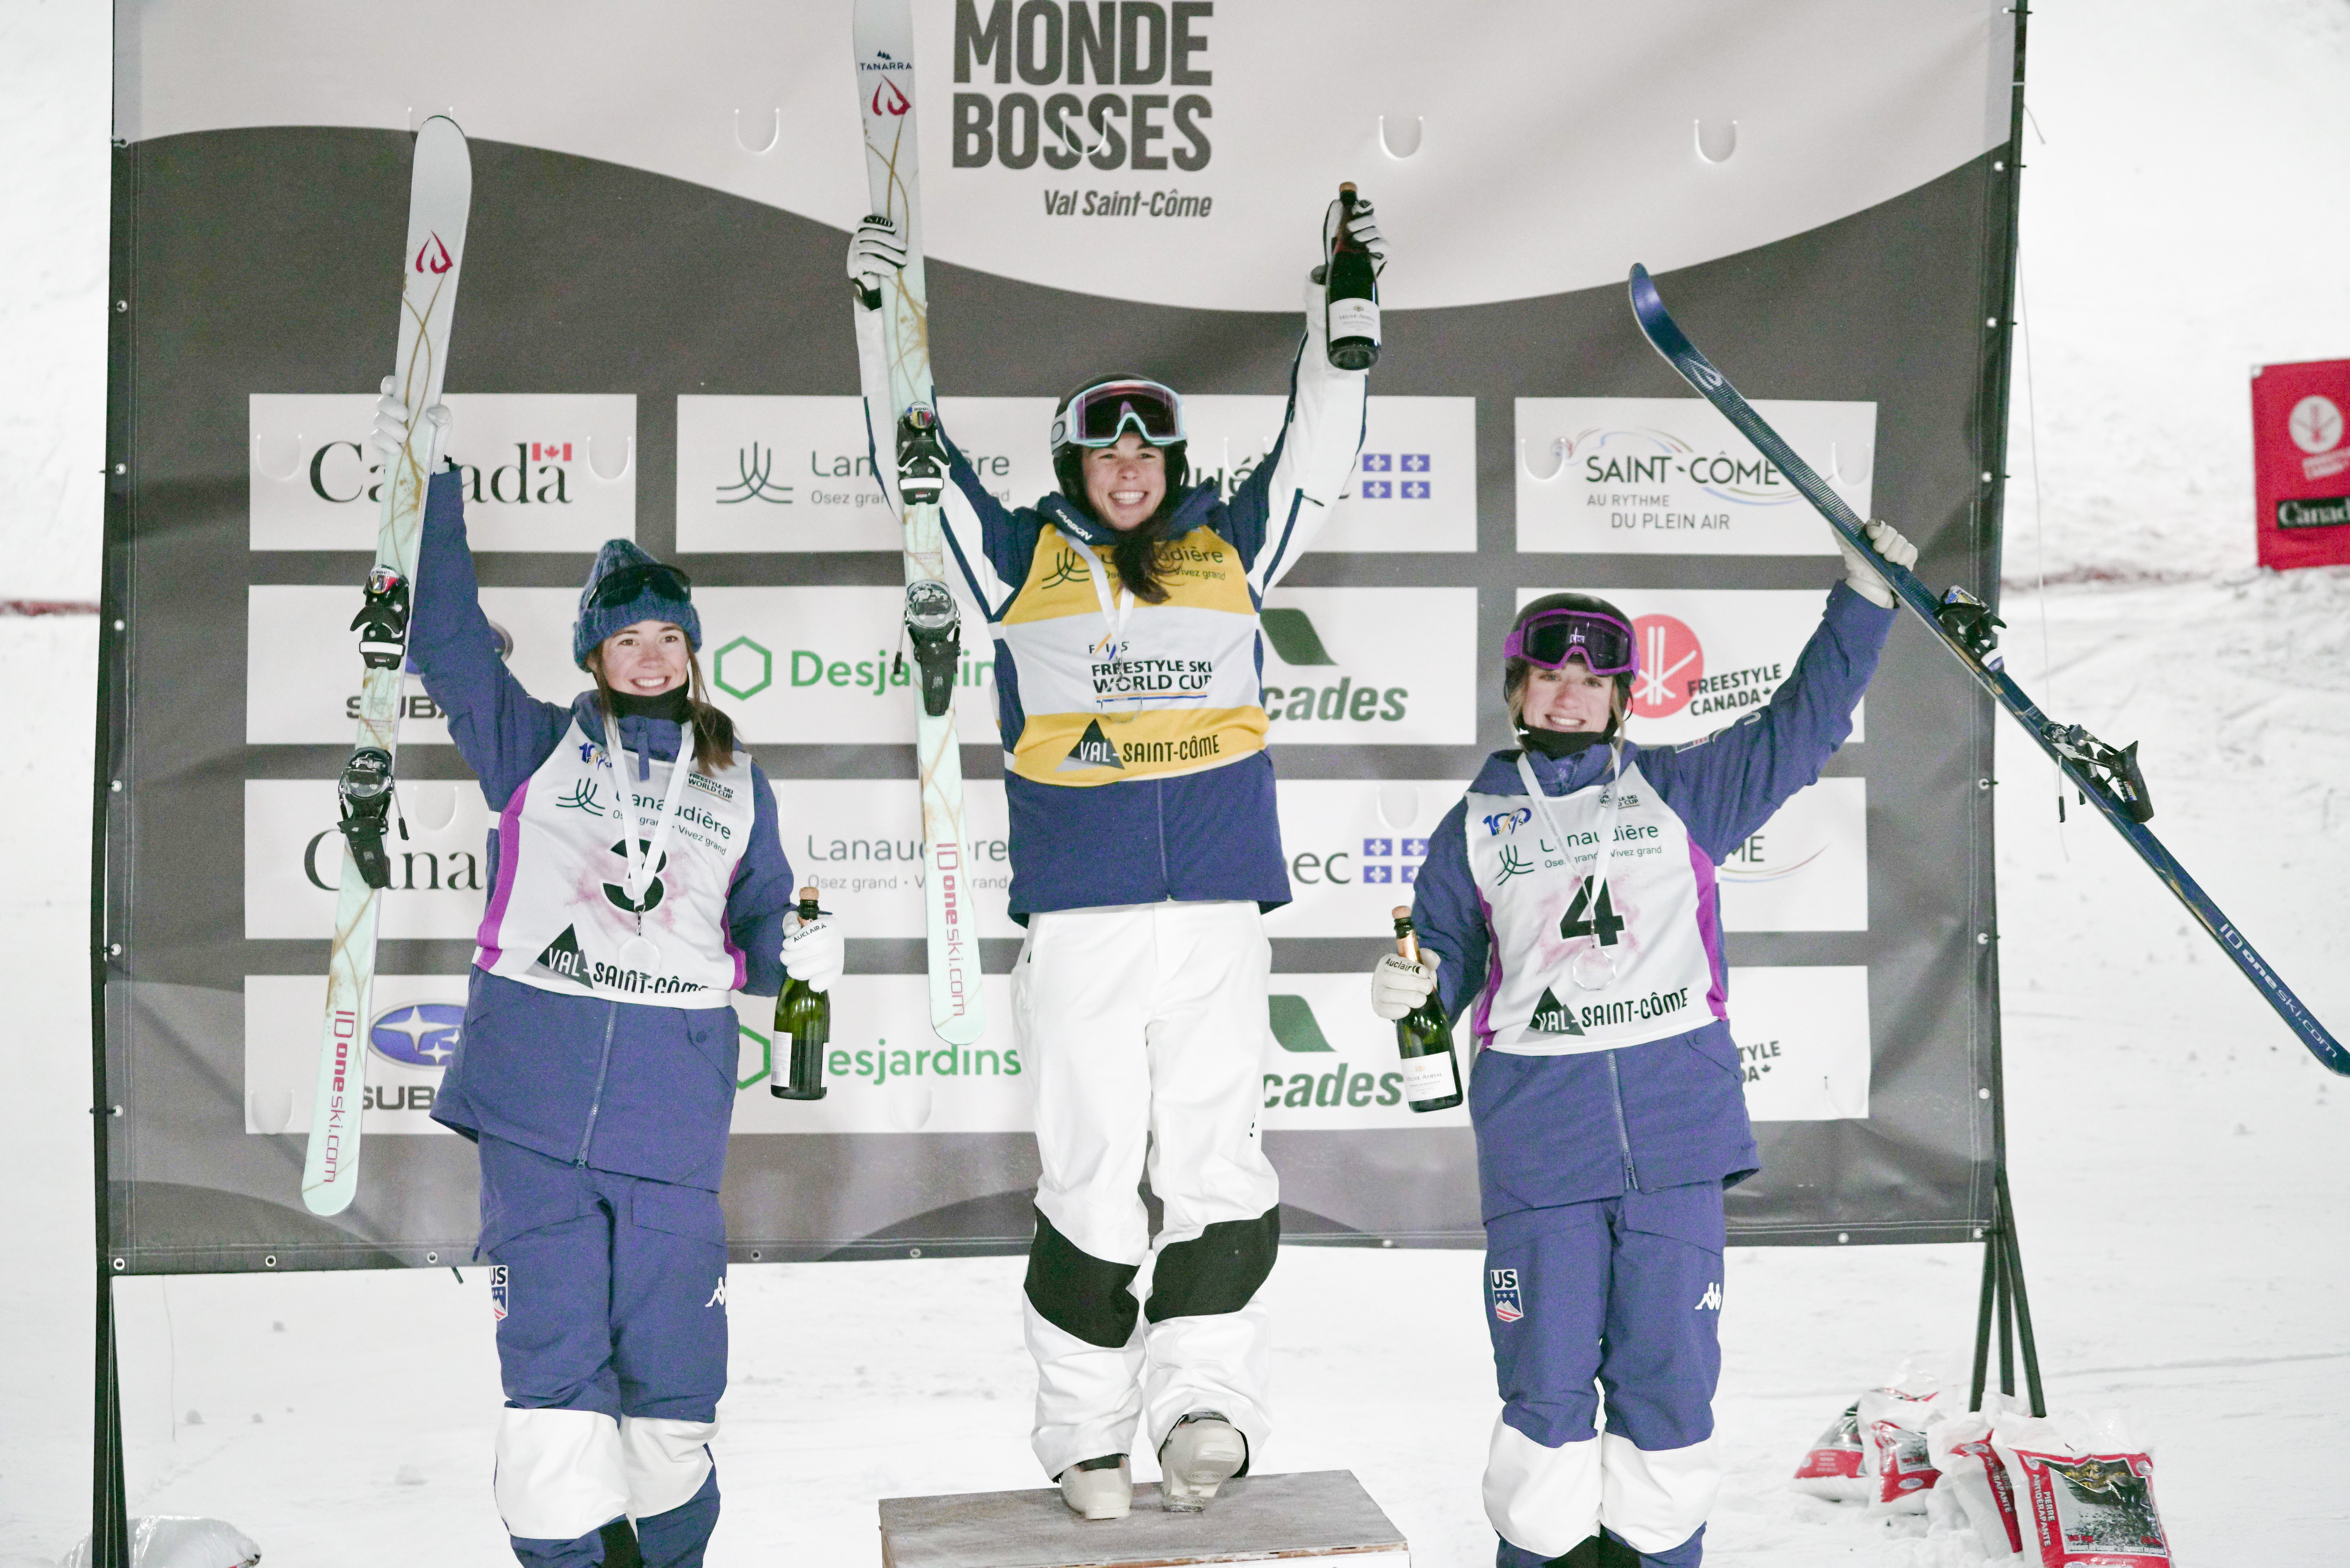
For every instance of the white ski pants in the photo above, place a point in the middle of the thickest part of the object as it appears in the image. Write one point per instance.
(1144, 1025)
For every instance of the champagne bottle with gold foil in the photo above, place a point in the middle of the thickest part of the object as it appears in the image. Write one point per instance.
(803, 1027)
(1431, 1071)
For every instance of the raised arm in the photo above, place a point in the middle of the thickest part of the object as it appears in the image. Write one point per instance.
(502, 732)
(983, 536)
(1283, 504)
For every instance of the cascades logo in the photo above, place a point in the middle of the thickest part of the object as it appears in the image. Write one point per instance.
(1296, 1030)
(1070, 44)
(1296, 643)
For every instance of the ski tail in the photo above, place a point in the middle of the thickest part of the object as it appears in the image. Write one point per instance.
(2105, 775)
(440, 202)
(884, 31)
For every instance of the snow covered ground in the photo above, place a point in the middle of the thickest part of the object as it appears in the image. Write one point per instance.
(2180, 1165)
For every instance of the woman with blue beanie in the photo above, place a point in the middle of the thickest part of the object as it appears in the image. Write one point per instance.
(638, 878)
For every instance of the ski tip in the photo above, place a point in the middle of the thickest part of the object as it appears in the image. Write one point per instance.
(328, 1197)
(1645, 301)
(441, 125)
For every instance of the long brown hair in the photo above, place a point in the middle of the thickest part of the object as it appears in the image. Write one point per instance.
(714, 732)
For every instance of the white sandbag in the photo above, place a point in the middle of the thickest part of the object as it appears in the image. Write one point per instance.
(1975, 1477)
(165, 1541)
(1831, 1467)
(1894, 1459)
(2084, 1491)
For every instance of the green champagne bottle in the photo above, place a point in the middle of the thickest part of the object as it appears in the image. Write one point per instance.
(1431, 1072)
(803, 1027)
(1350, 298)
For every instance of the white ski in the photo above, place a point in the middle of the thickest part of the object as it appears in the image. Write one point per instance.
(884, 94)
(439, 197)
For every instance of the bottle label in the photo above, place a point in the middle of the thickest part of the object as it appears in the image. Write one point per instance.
(1435, 1077)
(1354, 318)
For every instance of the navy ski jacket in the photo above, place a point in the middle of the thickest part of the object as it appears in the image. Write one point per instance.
(622, 1086)
(1555, 1130)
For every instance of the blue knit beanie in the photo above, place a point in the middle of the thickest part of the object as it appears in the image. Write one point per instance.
(652, 603)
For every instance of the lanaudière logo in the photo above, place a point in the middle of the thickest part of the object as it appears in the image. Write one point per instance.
(420, 1034)
(1106, 49)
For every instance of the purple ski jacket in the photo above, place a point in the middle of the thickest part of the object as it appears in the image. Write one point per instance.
(1553, 1130)
(614, 1086)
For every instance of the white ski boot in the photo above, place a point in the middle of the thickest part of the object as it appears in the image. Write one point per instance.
(1199, 1455)
(1098, 1489)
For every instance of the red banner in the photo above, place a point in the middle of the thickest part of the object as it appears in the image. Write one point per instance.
(2301, 462)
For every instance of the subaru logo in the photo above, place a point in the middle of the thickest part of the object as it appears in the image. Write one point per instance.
(421, 1035)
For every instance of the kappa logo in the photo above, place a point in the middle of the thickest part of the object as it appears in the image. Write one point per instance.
(1509, 1302)
(1093, 750)
(498, 1290)
(717, 1296)
(1711, 1299)
(1553, 1016)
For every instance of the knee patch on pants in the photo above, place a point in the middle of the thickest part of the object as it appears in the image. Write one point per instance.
(1077, 1292)
(663, 1462)
(559, 1473)
(1217, 1270)
(1655, 1498)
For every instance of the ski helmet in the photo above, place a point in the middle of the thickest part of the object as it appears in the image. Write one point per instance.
(1099, 411)
(1558, 627)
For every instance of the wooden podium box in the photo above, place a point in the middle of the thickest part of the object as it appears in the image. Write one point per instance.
(1314, 1517)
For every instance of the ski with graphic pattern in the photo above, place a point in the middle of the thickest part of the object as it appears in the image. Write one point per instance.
(440, 197)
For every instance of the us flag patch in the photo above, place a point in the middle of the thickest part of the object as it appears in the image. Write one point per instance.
(1509, 1307)
(498, 1290)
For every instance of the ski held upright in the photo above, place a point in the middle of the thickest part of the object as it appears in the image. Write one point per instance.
(440, 199)
(884, 94)
(2105, 775)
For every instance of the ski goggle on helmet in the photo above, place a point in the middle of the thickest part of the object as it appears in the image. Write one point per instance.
(1101, 414)
(1549, 639)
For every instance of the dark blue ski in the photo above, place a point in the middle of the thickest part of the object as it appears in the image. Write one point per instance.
(2102, 773)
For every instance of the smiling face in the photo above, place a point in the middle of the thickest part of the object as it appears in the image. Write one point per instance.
(1126, 482)
(645, 660)
(1568, 699)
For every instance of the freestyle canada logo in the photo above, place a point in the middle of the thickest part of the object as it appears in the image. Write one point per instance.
(542, 474)
(1297, 643)
(1109, 47)
(1672, 676)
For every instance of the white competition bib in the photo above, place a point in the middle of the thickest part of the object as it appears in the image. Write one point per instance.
(1652, 976)
(561, 913)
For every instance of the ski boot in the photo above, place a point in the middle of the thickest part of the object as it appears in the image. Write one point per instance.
(1098, 1489)
(1199, 1455)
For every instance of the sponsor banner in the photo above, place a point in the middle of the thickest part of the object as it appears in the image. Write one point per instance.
(293, 856)
(413, 1024)
(1807, 869)
(818, 667)
(1356, 848)
(2301, 463)
(794, 474)
(861, 842)
(885, 1072)
(1710, 656)
(543, 471)
(1802, 1037)
(302, 667)
(1376, 667)
(1330, 1062)
(1672, 476)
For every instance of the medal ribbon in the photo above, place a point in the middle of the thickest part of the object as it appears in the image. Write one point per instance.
(1614, 795)
(639, 874)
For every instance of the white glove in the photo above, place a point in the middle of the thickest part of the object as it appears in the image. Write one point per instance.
(390, 431)
(812, 951)
(1399, 985)
(876, 255)
(1363, 229)
(1861, 573)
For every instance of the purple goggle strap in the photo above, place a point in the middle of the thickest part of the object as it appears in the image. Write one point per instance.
(1579, 642)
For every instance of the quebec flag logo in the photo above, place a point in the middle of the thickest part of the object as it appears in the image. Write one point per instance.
(498, 1292)
(1509, 1307)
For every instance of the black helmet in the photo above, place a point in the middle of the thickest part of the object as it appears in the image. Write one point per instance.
(1151, 409)
(1514, 667)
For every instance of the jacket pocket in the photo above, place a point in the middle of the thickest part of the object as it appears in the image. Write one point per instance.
(689, 1211)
